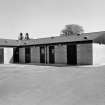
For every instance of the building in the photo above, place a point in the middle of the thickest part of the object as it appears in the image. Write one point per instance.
(84, 49)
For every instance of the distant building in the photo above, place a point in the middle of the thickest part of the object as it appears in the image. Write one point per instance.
(84, 49)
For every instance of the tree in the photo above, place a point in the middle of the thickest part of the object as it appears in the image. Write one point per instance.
(72, 29)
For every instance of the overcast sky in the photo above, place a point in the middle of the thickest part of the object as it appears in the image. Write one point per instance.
(42, 18)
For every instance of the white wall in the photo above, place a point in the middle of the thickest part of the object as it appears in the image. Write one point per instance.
(8, 55)
(98, 54)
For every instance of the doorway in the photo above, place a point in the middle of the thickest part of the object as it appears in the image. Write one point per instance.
(16, 55)
(27, 55)
(1, 55)
(42, 54)
(71, 54)
(51, 55)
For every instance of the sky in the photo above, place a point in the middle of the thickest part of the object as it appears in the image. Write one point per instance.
(45, 18)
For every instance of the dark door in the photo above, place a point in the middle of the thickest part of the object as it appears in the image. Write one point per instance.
(42, 54)
(51, 54)
(16, 55)
(1, 55)
(71, 54)
(27, 55)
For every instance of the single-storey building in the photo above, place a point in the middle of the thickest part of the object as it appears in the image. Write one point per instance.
(84, 49)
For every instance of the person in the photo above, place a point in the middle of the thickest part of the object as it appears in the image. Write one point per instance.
(27, 36)
(21, 36)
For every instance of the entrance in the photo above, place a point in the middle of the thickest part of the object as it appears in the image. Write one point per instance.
(1, 55)
(42, 54)
(71, 54)
(51, 54)
(16, 55)
(27, 55)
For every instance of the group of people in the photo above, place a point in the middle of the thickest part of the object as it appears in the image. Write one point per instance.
(21, 37)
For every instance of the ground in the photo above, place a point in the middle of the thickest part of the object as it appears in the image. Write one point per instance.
(51, 85)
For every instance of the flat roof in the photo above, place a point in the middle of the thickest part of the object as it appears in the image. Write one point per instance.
(8, 43)
(98, 37)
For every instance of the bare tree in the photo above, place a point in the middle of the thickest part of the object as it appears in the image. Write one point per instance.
(72, 29)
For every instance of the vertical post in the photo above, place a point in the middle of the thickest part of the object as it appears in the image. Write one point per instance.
(46, 54)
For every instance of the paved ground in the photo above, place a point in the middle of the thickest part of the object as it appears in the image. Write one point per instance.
(50, 85)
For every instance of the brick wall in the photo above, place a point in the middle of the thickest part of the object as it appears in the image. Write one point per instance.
(21, 55)
(47, 54)
(61, 54)
(35, 54)
(84, 54)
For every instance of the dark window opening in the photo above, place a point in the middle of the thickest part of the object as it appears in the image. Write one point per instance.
(27, 55)
(51, 55)
(71, 54)
(42, 54)
(16, 55)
